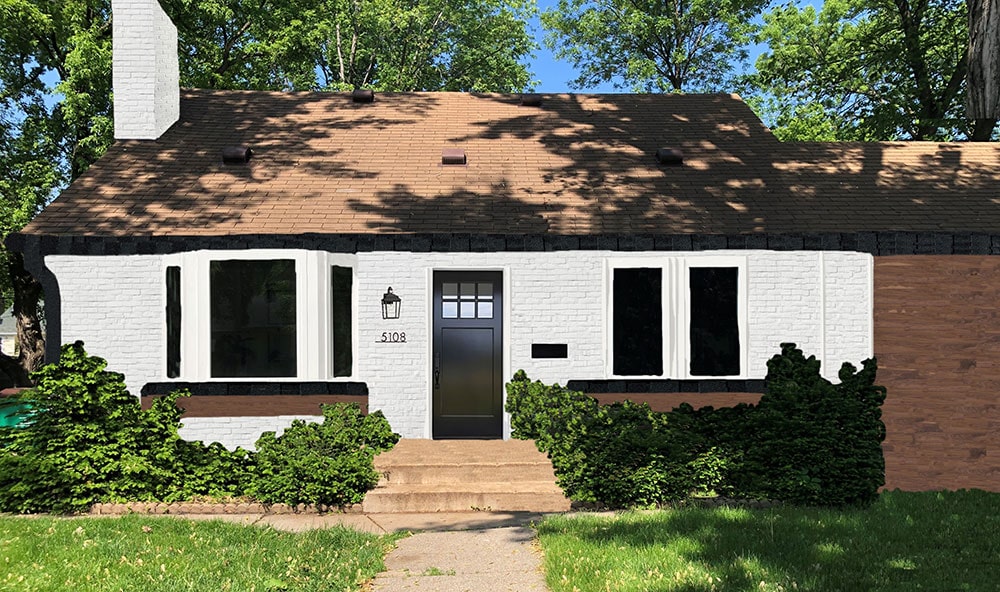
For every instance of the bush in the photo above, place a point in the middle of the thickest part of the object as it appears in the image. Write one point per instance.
(620, 455)
(89, 441)
(323, 464)
(808, 441)
(813, 442)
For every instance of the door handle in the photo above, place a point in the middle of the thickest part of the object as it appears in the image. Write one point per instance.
(437, 378)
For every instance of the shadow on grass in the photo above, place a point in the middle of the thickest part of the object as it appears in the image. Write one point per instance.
(905, 541)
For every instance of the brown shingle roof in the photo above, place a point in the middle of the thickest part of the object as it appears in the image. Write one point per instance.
(579, 164)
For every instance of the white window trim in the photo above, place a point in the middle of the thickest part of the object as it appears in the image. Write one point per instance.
(676, 314)
(313, 312)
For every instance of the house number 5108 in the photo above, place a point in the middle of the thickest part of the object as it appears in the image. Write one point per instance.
(393, 337)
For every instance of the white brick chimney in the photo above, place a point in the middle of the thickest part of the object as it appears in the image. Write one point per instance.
(145, 77)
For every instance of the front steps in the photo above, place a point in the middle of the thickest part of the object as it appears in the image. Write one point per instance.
(464, 476)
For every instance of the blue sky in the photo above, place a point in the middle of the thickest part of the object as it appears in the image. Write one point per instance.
(553, 76)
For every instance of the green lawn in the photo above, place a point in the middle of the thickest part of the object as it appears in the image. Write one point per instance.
(134, 553)
(906, 541)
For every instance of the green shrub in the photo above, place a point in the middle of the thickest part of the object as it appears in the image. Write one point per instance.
(619, 455)
(323, 464)
(813, 442)
(89, 441)
(808, 441)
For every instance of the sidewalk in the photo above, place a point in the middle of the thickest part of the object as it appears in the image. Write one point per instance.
(450, 552)
(382, 523)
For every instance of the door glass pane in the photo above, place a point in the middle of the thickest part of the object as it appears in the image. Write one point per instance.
(485, 310)
(468, 310)
(637, 322)
(341, 280)
(715, 331)
(486, 290)
(468, 291)
(252, 318)
(449, 310)
(449, 291)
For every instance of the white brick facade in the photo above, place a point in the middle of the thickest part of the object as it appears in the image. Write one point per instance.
(821, 301)
(145, 75)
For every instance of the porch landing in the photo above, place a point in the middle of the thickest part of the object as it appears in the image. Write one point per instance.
(464, 476)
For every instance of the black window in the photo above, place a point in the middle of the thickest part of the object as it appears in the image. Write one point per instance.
(253, 318)
(637, 322)
(341, 280)
(715, 331)
(173, 322)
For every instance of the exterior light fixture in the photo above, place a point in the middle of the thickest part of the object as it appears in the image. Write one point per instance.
(390, 305)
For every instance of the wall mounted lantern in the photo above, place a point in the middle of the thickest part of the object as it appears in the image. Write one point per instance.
(390, 305)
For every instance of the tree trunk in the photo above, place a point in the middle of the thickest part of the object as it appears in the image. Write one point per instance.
(30, 339)
(982, 129)
(983, 101)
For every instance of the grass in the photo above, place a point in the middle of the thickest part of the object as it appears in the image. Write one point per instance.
(170, 555)
(905, 541)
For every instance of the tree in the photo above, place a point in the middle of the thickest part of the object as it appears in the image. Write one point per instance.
(55, 120)
(983, 101)
(868, 69)
(653, 45)
(388, 45)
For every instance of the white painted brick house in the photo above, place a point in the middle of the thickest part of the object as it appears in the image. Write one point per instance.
(550, 234)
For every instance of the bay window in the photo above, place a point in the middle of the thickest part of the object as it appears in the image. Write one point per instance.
(276, 314)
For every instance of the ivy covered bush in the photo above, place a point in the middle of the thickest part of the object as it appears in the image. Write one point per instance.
(323, 464)
(807, 441)
(87, 440)
(814, 442)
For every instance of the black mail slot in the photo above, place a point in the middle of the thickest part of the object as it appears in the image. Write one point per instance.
(548, 350)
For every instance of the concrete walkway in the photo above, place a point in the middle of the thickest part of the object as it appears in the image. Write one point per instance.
(450, 552)
(496, 559)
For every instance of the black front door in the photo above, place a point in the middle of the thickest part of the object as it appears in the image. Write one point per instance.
(468, 354)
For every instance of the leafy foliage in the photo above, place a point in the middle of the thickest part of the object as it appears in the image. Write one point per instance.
(89, 441)
(323, 464)
(55, 120)
(813, 442)
(865, 70)
(650, 46)
(620, 455)
(388, 45)
(808, 441)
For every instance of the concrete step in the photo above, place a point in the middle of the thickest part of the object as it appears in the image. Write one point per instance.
(513, 472)
(408, 452)
(465, 475)
(484, 497)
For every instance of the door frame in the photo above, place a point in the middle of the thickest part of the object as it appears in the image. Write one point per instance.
(505, 272)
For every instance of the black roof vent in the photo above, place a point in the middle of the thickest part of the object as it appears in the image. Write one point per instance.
(453, 156)
(669, 156)
(363, 95)
(236, 154)
(531, 100)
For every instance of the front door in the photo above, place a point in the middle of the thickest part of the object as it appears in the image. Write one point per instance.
(468, 354)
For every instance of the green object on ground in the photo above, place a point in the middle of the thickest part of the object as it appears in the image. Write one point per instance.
(904, 541)
(13, 413)
(171, 555)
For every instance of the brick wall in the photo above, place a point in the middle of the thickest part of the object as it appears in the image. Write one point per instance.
(937, 339)
(819, 300)
(145, 72)
(115, 305)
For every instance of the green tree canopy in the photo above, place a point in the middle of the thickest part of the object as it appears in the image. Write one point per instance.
(653, 45)
(865, 70)
(389, 45)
